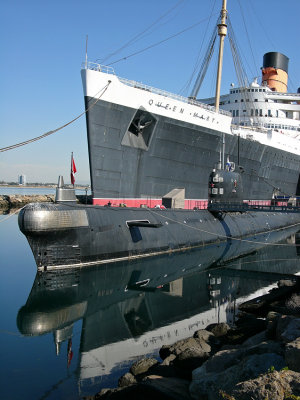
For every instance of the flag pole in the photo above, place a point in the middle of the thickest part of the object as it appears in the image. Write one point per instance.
(72, 174)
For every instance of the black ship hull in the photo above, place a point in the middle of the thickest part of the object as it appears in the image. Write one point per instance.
(176, 154)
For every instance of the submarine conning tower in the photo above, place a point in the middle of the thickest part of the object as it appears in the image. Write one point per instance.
(275, 71)
(225, 185)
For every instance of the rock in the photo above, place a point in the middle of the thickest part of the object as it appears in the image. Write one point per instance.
(229, 357)
(142, 366)
(161, 370)
(188, 360)
(256, 339)
(273, 386)
(218, 329)
(272, 320)
(4, 201)
(171, 388)
(247, 327)
(282, 323)
(20, 200)
(132, 392)
(17, 200)
(126, 380)
(183, 344)
(168, 360)
(286, 282)
(204, 335)
(292, 305)
(164, 351)
(208, 384)
(288, 328)
(223, 359)
(292, 355)
(209, 338)
(152, 387)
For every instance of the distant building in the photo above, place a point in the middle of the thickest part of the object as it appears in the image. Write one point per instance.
(22, 180)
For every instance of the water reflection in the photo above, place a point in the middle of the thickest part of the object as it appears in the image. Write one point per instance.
(131, 309)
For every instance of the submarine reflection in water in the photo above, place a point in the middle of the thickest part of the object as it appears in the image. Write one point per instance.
(131, 309)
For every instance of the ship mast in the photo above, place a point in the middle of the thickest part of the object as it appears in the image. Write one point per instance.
(222, 32)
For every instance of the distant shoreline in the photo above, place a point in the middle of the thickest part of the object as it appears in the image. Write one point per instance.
(79, 187)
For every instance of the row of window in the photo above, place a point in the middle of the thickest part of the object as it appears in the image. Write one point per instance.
(247, 90)
(272, 126)
(247, 100)
(254, 112)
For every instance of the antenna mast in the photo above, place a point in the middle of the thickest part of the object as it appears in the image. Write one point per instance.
(222, 32)
(86, 45)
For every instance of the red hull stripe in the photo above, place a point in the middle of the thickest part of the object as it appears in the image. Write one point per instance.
(189, 204)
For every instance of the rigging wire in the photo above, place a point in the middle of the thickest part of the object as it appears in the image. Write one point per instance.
(237, 59)
(141, 34)
(205, 64)
(266, 34)
(243, 17)
(159, 42)
(14, 146)
(293, 86)
(196, 66)
(270, 184)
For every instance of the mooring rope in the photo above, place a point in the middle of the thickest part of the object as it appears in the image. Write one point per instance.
(14, 146)
(233, 238)
(11, 214)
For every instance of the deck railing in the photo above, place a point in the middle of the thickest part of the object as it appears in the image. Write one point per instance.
(138, 85)
(273, 206)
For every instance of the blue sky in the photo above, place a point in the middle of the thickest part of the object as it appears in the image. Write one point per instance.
(43, 46)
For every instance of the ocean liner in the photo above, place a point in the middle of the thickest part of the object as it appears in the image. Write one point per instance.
(144, 142)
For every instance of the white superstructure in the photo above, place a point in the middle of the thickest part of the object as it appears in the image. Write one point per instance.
(258, 113)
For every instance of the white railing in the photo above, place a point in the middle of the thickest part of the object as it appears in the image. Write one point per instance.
(284, 94)
(97, 67)
(109, 70)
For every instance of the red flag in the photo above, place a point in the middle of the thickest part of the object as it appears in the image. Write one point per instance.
(70, 353)
(74, 166)
(73, 170)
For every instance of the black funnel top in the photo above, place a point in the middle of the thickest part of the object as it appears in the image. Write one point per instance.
(276, 60)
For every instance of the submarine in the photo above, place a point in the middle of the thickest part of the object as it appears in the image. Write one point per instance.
(65, 234)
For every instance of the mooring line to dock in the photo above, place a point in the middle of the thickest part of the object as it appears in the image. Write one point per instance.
(11, 214)
(14, 146)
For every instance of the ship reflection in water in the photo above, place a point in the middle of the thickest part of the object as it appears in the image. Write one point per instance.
(129, 310)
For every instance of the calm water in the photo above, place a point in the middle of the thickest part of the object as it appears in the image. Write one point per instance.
(27, 191)
(67, 335)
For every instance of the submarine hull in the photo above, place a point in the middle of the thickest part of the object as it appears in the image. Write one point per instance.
(69, 235)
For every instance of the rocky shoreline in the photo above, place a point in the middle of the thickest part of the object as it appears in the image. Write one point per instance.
(17, 201)
(258, 358)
